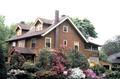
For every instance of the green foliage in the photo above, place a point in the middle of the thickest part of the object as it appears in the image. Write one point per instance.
(85, 27)
(44, 59)
(103, 56)
(114, 75)
(98, 69)
(5, 33)
(29, 67)
(2, 66)
(24, 76)
(17, 60)
(76, 59)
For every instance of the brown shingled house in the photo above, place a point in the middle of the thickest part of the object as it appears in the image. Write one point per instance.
(44, 33)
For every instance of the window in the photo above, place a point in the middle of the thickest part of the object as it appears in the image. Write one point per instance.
(19, 32)
(65, 28)
(64, 42)
(48, 42)
(76, 45)
(13, 44)
(21, 43)
(38, 27)
(33, 42)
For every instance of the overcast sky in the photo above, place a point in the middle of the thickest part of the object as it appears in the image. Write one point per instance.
(104, 14)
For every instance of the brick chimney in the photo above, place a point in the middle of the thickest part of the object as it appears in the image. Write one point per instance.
(56, 34)
(56, 16)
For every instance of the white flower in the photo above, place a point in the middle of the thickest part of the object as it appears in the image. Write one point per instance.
(76, 73)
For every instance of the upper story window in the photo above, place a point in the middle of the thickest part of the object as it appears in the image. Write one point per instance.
(65, 42)
(47, 42)
(65, 28)
(21, 43)
(33, 42)
(38, 27)
(19, 32)
(76, 45)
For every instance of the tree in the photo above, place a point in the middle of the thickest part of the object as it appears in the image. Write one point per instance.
(2, 66)
(85, 27)
(112, 46)
(77, 59)
(5, 33)
(103, 56)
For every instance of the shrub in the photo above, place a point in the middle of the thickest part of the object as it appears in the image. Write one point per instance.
(90, 74)
(76, 73)
(44, 60)
(76, 59)
(98, 69)
(24, 76)
(114, 75)
(58, 62)
(2, 66)
(17, 60)
(29, 67)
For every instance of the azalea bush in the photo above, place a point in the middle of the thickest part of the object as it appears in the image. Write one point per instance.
(76, 73)
(76, 59)
(90, 74)
(58, 62)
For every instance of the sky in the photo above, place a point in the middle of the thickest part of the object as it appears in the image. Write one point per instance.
(103, 14)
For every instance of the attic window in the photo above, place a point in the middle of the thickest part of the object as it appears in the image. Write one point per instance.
(65, 28)
(38, 26)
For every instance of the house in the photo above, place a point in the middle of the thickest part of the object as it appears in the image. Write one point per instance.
(114, 59)
(45, 33)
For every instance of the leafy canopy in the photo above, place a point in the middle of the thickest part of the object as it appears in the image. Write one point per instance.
(85, 27)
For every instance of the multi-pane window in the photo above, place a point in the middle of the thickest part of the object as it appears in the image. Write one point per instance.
(47, 42)
(76, 45)
(21, 43)
(65, 42)
(33, 42)
(65, 28)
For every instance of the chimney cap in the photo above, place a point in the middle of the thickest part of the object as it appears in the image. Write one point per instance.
(22, 22)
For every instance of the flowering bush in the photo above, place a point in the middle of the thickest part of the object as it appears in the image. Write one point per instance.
(15, 71)
(76, 73)
(58, 62)
(90, 73)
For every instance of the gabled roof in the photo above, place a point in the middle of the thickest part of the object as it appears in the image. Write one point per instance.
(32, 33)
(23, 26)
(64, 19)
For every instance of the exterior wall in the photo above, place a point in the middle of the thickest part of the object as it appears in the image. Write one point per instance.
(71, 36)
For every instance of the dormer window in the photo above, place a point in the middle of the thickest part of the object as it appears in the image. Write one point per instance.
(19, 32)
(38, 27)
(65, 28)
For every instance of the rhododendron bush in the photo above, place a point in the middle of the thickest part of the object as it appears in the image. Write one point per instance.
(76, 73)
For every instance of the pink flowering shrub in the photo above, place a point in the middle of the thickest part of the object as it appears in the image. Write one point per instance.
(58, 62)
(90, 73)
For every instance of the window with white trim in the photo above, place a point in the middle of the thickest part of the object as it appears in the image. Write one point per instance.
(76, 45)
(21, 43)
(47, 42)
(33, 42)
(64, 42)
(65, 28)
